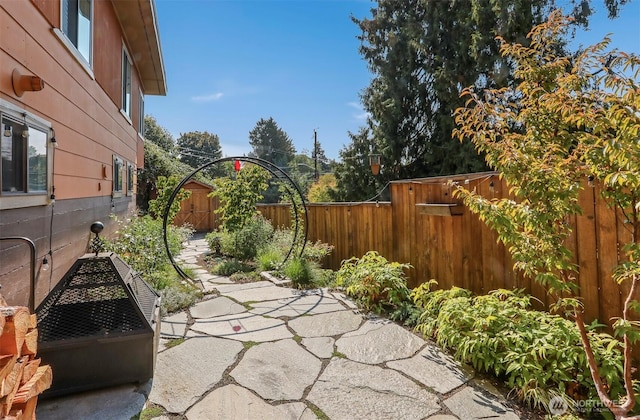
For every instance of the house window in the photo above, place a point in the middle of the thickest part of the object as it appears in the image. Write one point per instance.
(130, 173)
(126, 83)
(24, 158)
(77, 24)
(141, 115)
(118, 174)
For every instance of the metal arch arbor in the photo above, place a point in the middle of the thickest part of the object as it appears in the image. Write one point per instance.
(275, 171)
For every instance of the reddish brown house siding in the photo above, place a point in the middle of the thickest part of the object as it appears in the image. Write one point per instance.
(83, 107)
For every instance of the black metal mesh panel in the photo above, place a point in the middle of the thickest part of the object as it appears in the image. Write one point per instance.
(92, 300)
(147, 297)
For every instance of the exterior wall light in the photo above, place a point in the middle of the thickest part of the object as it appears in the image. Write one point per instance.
(25, 83)
(374, 163)
(25, 128)
(8, 132)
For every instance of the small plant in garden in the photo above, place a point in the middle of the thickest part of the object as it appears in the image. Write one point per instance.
(430, 301)
(271, 256)
(239, 196)
(229, 267)
(568, 119)
(299, 271)
(375, 283)
(165, 187)
(245, 277)
(269, 259)
(243, 243)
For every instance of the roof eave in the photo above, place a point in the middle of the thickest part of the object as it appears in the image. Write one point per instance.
(140, 27)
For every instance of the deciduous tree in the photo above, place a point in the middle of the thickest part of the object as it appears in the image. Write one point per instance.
(568, 119)
(197, 148)
(158, 134)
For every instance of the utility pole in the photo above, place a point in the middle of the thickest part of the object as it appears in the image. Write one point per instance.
(315, 155)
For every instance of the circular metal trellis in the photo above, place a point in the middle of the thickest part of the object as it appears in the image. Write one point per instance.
(276, 172)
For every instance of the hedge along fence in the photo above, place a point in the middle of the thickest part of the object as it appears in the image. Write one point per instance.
(425, 226)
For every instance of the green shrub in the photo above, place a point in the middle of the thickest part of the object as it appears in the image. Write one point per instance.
(429, 304)
(537, 354)
(229, 267)
(323, 277)
(299, 271)
(177, 297)
(140, 242)
(244, 243)
(269, 259)
(245, 277)
(317, 251)
(282, 240)
(214, 241)
(375, 283)
(164, 187)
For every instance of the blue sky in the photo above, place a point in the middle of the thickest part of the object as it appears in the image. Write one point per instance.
(230, 63)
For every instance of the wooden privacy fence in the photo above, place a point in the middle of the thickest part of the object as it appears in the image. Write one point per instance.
(425, 226)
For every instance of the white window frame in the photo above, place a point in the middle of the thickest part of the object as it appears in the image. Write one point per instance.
(68, 39)
(127, 81)
(12, 200)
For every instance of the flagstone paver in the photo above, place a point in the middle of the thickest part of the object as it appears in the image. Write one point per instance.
(327, 325)
(435, 369)
(320, 346)
(277, 371)
(185, 372)
(233, 402)
(243, 327)
(260, 294)
(174, 326)
(379, 341)
(216, 307)
(470, 404)
(296, 306)
(351, 390)
(224, 289)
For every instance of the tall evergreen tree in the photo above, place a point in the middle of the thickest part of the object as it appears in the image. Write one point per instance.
(271, 143)
(354, 180)
(422, 53)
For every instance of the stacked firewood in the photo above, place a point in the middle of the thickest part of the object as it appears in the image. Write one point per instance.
(22, 378)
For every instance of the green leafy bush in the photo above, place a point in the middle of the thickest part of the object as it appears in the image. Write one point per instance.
(269, 259)
(323, 277)
(317, 251)
(245, 277)
(165, 187)
(177, 297)
(537, 354)
(375, 283)
(303, 274)
(245, 242)
(429, 303)
(140, 242)
(239, 196)
(299, 271)
(229, 267)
